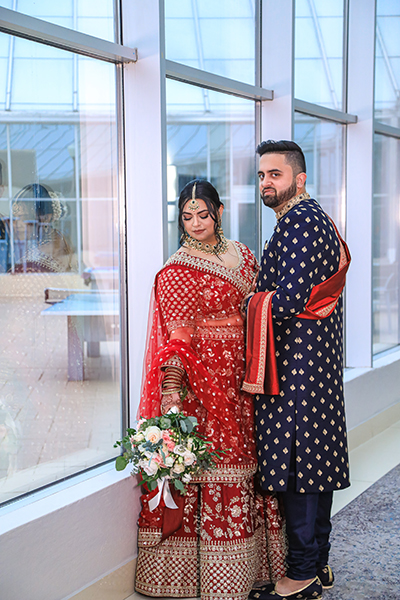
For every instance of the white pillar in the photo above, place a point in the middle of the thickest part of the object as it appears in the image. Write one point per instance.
(144, 89)
(277, 74)
(360, 137)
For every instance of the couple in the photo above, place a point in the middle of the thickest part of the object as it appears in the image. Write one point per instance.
(227, 537)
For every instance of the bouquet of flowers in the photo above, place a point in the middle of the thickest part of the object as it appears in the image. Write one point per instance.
(166, 448)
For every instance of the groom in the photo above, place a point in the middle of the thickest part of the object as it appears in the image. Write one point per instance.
(295, 321)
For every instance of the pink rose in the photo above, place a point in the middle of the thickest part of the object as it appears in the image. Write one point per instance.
(167, 439)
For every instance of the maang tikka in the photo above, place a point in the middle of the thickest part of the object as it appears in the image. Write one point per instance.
(193, 204)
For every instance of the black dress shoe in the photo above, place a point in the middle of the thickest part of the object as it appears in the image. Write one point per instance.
(312, 591)
(326, 576)
(268, 587)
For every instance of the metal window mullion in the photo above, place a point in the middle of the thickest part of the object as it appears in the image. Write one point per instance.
(257, 124)
(10, 194)
(257, 199)
(322, 112)
(10, 72)
(208, 151)
(163, 124)
(258, 52)
(387, 130)
(78, 203)
(211, 81)
(20, 25)
(75, 64)
(123, 286)
(345, 53)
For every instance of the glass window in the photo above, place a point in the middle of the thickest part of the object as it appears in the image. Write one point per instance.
(60, 403)
(319, 28)
(86, 16)
(323, 145)
(387, 62)
(386, 243)
(212, 136)
(214, 36)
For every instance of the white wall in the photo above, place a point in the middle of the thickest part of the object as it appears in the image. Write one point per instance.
(53, 547)
(370, 392)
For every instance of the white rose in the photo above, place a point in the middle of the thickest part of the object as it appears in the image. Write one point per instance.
(169, 461)
(150, 466)
(145, 452)
(189, 458)
(187, 478)
(178, 469)
(153, 434)
(138, 437)
(179, 449)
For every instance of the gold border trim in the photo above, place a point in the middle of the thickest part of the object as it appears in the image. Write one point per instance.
(232, 275)
(258, 387)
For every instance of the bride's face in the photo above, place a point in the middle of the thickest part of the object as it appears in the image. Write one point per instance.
(198, 223)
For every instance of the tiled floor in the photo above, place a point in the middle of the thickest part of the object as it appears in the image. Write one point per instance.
(368, 463)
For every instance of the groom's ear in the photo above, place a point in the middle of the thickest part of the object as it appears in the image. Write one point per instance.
(301, 180)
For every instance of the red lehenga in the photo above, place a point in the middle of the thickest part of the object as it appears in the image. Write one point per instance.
(215, 545)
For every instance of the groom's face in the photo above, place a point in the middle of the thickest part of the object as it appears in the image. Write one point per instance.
(276, 180)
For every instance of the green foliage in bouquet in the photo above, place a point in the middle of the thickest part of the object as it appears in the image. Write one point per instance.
(166, 447)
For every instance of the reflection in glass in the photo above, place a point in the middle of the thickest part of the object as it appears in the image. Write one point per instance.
(218, 37)
(387, 62)
(319, 30)
(322, 144)
(215, 143)
(94, 18)
(386, 243)
(60, 406)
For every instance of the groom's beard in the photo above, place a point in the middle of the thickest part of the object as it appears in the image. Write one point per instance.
(277, 199)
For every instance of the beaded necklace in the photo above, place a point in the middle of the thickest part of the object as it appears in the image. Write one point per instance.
(220, 248)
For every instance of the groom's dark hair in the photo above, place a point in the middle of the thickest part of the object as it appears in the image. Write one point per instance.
(293, 153)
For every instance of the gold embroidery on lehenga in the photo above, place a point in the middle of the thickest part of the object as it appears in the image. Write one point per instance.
(220, 548)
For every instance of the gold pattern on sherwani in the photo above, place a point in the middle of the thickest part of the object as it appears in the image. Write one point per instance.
(289, 205)
(308, 415)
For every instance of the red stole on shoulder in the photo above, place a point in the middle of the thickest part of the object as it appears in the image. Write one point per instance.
(325, 295)
(261, 370)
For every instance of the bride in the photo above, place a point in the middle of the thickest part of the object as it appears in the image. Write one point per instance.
(215, 545)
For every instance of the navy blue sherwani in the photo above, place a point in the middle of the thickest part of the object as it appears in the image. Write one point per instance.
(307, 418)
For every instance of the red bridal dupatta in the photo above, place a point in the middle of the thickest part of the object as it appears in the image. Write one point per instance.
(216, 402)
(261, 369)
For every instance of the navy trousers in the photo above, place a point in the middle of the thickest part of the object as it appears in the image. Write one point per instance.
(308, 525)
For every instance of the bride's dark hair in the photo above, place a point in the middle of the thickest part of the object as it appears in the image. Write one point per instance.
(206, 192)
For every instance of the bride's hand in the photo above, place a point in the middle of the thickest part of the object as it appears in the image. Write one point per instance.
(171, 401)
(243, 304)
